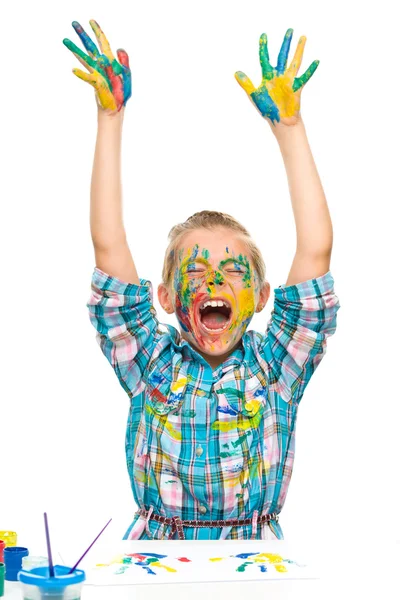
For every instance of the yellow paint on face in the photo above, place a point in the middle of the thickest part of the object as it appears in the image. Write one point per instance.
(209, 274)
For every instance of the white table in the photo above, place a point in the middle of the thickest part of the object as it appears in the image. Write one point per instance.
(367, 571)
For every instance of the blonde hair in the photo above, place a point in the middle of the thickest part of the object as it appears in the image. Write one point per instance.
(209, 219)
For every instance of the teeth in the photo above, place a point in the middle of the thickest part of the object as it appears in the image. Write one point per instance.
(214, 303)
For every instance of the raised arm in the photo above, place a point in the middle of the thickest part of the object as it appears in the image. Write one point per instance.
(278, 101)
(111, 249)
(112, 83)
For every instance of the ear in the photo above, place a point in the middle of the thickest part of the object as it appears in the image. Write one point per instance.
(264, 295)
(164, 298)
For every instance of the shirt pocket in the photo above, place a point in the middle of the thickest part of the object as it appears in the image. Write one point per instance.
(166, 387)
(244, 397)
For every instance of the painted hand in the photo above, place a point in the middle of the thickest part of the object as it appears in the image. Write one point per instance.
(278, 96)
(111, 79)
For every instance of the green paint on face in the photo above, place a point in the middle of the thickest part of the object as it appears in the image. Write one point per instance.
(205, 253)
(218, 279)
(241, 262)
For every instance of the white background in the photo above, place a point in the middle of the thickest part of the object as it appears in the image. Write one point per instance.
(193, 141)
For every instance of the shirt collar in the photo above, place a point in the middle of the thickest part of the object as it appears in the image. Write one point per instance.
(234, 359)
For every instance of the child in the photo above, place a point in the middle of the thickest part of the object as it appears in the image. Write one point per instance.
(211, 427)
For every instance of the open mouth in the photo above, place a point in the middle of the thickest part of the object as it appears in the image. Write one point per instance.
(215, 315)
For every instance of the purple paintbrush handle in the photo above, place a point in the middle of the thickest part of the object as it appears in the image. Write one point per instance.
(87, 550)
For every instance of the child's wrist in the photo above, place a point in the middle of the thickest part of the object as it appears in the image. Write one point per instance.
(104, 116)
(282, 131)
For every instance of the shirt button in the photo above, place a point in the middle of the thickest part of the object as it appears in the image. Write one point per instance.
(199, 451)
(202, 510)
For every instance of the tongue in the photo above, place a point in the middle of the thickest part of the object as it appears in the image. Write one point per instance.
(214, 320)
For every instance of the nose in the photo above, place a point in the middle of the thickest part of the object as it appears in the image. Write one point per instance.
(216, 278)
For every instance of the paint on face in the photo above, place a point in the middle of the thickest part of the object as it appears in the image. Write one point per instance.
(232, 284)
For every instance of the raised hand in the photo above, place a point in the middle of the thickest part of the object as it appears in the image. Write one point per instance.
(111, 79)
(278, 96)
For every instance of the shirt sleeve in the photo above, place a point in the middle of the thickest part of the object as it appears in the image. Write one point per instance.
(126, 324)
(303, 317)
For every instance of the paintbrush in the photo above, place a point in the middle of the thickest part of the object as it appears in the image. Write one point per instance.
(49, 556)
(87, 550)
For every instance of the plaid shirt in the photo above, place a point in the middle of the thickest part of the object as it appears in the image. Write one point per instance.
(211, 444)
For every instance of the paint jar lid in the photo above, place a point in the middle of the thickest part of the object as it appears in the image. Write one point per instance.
(40, 577)
(31, 562)
(9, 537)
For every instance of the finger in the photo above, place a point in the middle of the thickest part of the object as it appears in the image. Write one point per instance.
(266, 68)
(244, 82)
(284, 52)
(265, 104)
(95, 79)
(103, 41)
(299, 82)
(88, 77)
(85, 39)
(124, 60)
(117, 85)
(123, 57)
(87, 61)
(298, 56)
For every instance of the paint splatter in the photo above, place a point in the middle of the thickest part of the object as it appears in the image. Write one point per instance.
(243, 566)
(184, 559)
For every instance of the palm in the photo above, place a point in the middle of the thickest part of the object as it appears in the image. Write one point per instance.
(278, 96)
(110, 78)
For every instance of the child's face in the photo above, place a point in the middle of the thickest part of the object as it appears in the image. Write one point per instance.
(215, 289)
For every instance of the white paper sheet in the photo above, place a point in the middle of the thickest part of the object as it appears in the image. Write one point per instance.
(139, 563)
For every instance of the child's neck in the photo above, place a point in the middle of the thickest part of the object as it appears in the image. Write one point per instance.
(215, 361)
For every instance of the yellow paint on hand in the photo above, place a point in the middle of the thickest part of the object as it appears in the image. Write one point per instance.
(95, 79)
(280, 90)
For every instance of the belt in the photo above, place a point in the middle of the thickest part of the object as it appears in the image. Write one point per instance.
(177, 524)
